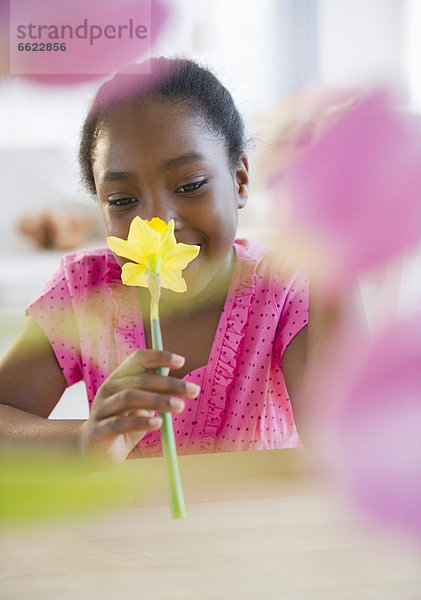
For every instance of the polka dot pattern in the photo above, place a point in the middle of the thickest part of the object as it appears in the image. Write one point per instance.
(94, 322)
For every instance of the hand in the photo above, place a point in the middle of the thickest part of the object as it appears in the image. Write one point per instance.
(124, 407)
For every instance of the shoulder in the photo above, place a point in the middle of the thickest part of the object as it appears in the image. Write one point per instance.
(101, 257)
(267, 258)
(275, 270)
(78, 271)
(90, 267)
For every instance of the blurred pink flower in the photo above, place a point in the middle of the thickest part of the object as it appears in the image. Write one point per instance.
(296, 124)
(371, 424)
(356, 192)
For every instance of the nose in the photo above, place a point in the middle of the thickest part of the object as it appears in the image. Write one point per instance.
(164, 209)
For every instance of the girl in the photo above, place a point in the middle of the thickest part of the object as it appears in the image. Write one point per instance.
(169, 145)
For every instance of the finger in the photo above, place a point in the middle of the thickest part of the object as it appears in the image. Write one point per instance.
(131, 399)
(141, 413)
(118, 425)
(144, 360)
(151, 382)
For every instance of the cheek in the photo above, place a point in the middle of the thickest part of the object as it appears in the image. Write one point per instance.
(105, 219)
(224, 221)
(115, 226)
(118, 230)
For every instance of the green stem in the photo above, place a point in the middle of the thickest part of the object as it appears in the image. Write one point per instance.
(175, 490)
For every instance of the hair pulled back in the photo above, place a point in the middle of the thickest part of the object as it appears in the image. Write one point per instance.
(180, 81)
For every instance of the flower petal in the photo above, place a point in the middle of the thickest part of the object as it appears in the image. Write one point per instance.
(133, 274)
(167, 241)
(172, 280)
(124, 249)
(143, 238)
(180, 256)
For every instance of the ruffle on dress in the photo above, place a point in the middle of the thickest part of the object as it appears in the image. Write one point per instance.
(224, 353)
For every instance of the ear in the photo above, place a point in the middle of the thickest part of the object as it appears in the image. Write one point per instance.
(241, 180)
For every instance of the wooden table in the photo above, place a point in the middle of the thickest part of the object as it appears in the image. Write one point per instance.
(259, 526)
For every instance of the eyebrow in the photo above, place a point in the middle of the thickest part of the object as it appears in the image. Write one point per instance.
(178, 161)
(118, 176)
(167, 165)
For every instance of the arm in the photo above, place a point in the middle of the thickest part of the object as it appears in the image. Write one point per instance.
(307, 352)
(31, 384)
(123, 411)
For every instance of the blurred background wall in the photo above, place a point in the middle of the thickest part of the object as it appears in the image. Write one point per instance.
(266, 52)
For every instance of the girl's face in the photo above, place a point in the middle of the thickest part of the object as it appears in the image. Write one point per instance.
(158, 160)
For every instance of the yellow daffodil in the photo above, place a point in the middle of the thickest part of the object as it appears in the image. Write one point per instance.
(152, 249)
(156, 259)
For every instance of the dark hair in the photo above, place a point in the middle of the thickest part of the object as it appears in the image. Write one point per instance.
(178, 80)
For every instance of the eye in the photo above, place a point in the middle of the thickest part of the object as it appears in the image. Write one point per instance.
(188, 188)
(122, 202)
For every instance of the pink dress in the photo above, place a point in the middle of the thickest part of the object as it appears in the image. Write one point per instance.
(94, 322)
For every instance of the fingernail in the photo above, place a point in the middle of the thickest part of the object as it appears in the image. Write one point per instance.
(178, 405)
(155, 421)
(192, 388)
(179, 360)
